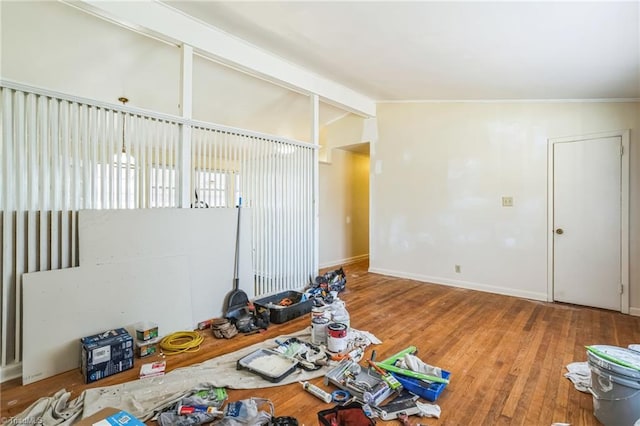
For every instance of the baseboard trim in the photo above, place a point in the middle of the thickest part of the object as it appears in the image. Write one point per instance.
(463, 284)
(10, 372)
(346, 261)
(634, 311)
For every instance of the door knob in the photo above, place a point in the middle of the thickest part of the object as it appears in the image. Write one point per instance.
(559, 231)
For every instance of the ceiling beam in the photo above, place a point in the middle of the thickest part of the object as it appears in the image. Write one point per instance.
(166, 23)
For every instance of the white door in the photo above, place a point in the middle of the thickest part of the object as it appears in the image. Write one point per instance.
(587, 223)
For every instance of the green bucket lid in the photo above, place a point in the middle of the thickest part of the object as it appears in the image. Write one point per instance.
(622, 357)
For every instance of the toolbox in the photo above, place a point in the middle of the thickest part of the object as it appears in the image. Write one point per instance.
(285, 306)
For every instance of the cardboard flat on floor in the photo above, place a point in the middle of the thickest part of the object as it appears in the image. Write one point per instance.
(100, 415)
(62, 306)
(207, 237)
(110, 417)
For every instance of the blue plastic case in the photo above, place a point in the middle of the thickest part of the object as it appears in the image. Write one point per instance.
(428, 391)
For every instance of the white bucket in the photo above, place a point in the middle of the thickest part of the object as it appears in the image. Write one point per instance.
(616, 398)
(628, 356)
(319, 330)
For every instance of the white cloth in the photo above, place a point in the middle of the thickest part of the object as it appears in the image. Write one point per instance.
(413, 363)
(50, 410)
(145, 397)
(428, 410)
(580, 375)
(363, 336)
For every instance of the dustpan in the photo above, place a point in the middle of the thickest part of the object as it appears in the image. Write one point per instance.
(237, 300)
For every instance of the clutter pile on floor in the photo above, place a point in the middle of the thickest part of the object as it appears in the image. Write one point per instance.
(363, 390)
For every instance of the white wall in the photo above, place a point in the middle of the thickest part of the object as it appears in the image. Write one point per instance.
(56, 47)
(228, 97)
(344, 208)
(439, 171)
(347, 130)
(51, 45)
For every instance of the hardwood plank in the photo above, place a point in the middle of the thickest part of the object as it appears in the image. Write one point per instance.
(507, 355)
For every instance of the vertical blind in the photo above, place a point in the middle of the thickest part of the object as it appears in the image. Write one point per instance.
(274, 180)
(60, 154)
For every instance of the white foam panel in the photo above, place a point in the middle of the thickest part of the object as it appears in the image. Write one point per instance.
(64, 305)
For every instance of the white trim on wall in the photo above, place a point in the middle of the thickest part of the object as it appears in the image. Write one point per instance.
(346, 261)
(501, 101)
(487, 288)
(314, 103)
(186, 109)
(10, 372)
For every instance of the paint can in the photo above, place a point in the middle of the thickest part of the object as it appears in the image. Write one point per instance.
(319, 330)
(336, 337)
(317, 312)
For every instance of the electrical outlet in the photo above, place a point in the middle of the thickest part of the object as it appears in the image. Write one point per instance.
(457, 268)
(507, 201)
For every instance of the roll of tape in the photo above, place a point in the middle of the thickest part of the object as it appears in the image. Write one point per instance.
(340, 395)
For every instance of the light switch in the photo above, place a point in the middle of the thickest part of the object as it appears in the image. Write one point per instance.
(507, 201)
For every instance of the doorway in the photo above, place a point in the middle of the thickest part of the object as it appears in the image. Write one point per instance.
(344, 206)
(588, 217)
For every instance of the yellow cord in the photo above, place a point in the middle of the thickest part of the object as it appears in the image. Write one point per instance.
(181, 341)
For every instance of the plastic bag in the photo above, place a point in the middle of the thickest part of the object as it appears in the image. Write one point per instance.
(210, 397)
(245, 412)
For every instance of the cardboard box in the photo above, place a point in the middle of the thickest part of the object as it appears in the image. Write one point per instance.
(153, 369)
(110, 417)
(105, 354)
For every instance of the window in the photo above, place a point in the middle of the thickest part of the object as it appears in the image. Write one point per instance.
(116, 185)
(215, 187)
(162, 187)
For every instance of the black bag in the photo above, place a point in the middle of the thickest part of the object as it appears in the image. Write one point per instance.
(348, 415)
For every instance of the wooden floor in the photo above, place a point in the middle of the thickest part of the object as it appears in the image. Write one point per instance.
(506, 355)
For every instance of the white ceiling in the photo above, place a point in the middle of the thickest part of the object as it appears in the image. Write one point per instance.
(448, 50)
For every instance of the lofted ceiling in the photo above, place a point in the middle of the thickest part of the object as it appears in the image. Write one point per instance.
(391, 50)
(384, 50)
